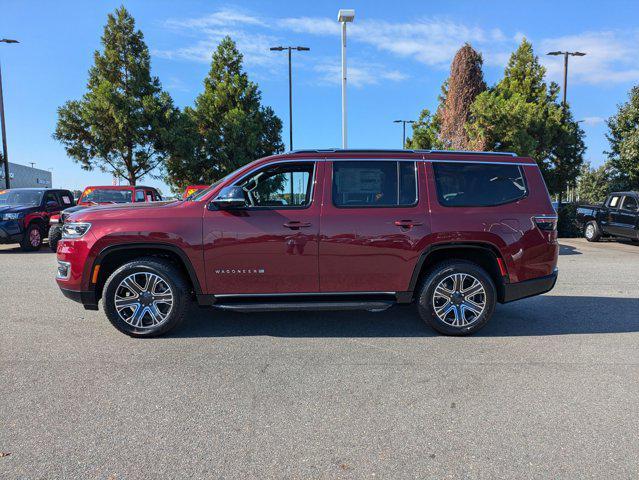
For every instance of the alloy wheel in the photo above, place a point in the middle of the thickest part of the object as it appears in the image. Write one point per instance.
(143, 300)
(35, 237)
(459, 300)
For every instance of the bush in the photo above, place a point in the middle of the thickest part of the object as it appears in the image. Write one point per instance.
(567, 226)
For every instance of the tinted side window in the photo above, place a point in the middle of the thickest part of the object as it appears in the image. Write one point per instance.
(374, 184)
(478, 185)
(630, 203)
(139, 195)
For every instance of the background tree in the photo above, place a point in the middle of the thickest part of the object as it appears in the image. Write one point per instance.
(466, 81)
(624, 141)
(124, 124)
(521, 114)
(227, 128)
(593, 184)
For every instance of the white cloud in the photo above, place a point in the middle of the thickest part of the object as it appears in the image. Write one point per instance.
(593, 120)
(611, 57)
(359, 74)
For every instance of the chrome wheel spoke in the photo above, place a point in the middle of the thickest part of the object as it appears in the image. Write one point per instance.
(143, 300)
(474, 289)
(131, 285)
(126, 302)
(459, 299)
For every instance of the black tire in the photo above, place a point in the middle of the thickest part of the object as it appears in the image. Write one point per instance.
(55, 235)
(168, 274)
(442, 273)
(32, 240)
(592, 233)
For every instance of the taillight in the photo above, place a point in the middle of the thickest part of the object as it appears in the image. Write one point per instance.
(547, 223)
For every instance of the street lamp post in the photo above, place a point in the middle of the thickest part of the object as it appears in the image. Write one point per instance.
(5, 155)
(290, 87)
(403, 122)
(566, 55)
(344, 17)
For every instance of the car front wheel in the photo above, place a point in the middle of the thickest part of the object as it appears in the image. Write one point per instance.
(32, 240)
(457, 298)
(592, 232)
(146, 297)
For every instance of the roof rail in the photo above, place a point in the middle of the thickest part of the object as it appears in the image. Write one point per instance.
(390, 150)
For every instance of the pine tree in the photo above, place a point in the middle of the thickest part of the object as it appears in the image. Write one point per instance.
(228, 125)
(521, 114)
(623, 137)
(124, 123)
(466, 81)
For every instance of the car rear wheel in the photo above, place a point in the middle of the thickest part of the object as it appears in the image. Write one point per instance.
(592, 232)
(32, 240)
(55, 234)
(146, 297)
(457, 298)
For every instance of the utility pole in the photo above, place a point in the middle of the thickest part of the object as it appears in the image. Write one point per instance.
(564, 104)
(566, 55)
(403, 122)
(3, 128)
(290, 87)
(344, 17)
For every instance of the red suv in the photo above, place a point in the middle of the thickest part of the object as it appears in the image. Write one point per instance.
(454, 232)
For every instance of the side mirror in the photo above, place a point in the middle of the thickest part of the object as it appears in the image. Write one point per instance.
(51, 205)
(230, 198)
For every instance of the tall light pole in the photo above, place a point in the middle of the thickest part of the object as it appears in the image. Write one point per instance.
(290, 87)
(344, 17)
(5, 155)
(403, 122)
(566, 55)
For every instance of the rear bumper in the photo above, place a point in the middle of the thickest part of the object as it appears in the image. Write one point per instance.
(528, 288)
(87, 299)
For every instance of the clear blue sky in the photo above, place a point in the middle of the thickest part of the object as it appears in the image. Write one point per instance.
(399, 55)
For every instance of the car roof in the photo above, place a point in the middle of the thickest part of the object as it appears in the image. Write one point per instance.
(36, 189)
(118, 187)
(367, 154)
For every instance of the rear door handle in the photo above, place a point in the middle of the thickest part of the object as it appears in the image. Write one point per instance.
(296, 225)
(407, 223)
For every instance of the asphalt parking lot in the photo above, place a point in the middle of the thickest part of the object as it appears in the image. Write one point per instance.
(549, 389)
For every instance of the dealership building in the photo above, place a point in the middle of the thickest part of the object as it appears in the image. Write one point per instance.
(21, 176)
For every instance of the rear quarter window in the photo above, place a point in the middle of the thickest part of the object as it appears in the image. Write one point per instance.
(462, 184)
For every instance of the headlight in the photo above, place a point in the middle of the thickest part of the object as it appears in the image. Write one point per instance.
(12, 216)
(75, 229)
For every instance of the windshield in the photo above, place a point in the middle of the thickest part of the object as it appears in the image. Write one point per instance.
(198, 195)
(20, 197)
(106, 195)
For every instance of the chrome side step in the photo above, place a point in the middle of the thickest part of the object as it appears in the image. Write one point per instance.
(371, 306)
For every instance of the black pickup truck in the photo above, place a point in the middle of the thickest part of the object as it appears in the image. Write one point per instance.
(617, 217)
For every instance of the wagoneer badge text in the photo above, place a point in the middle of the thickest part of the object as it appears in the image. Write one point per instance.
(240, 271)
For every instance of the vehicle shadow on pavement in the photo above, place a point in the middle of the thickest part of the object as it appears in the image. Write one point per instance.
(568, 250)
(544, 315)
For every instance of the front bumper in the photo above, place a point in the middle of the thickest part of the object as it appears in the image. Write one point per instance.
(528, 288)
(10, 232)
(87, 299)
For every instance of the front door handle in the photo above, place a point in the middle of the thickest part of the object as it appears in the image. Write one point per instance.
(296, 225)
(407, 223)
